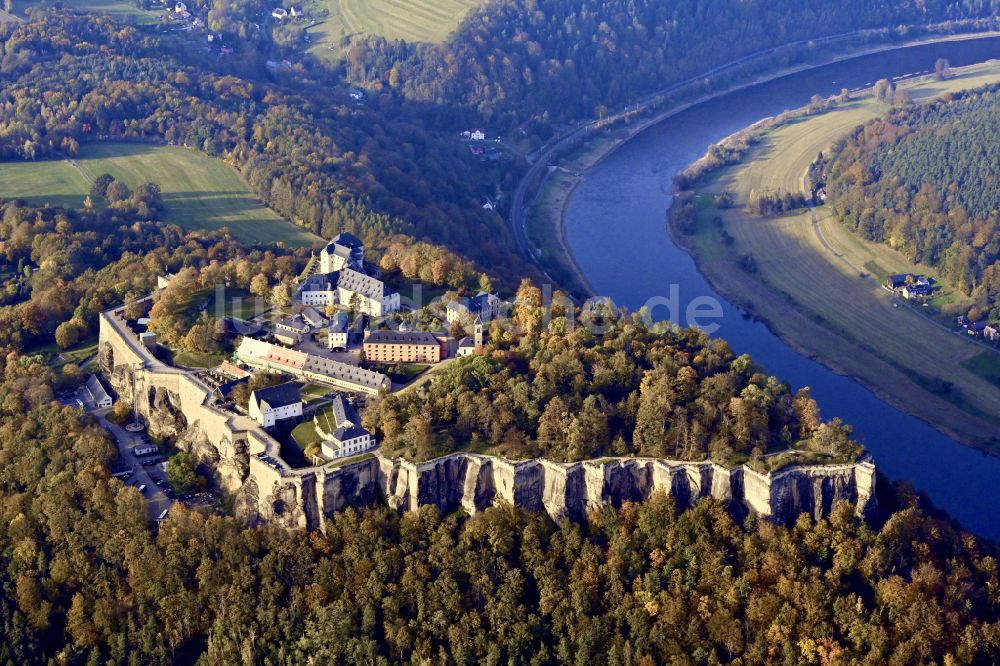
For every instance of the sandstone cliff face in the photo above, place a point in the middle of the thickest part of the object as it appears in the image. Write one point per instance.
(175, 405)
(475, 482)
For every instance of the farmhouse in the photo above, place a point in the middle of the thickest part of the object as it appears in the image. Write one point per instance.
(477, 134)
(339, 426)
(918, 285)
(916, 291)
(402, 347)
(992, 332)
(976, 328)
(482, 305)
(275, 403)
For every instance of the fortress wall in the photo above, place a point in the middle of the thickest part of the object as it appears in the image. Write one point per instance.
(176, 404)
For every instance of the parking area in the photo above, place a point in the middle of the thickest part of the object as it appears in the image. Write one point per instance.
(148, 473)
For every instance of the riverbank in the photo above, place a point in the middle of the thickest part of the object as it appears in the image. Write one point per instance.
(817, 287)
(556, 255)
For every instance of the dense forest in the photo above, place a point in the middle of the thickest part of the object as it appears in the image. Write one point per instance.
(559, 60)
(66, 79)
(550, 386)
(923, 180)
(85, 581)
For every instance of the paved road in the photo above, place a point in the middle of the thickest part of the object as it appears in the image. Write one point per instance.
(156, 499)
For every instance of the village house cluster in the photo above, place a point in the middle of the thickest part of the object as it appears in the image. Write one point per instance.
(909, 286)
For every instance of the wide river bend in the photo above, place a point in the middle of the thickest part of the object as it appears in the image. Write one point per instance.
(615, 228)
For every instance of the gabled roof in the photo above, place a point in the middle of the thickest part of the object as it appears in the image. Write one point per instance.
(96, 389)
(313, 316)
(320, 282)
(402, 338)
(293, 325)
(343, 413)
(365, 285)
(347, 239)
(274, 397)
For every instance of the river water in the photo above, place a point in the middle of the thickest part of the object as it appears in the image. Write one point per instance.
(615, 226)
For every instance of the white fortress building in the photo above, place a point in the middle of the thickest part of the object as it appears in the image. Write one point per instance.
(344, 251)
(341, 281)
(275, 403)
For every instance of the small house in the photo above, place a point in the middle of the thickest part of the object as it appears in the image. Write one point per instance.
(897, 282)
(275, 403)
(477, 134)
(336, 334)
(976, 328)
(96, 393)
(313, 317)
(290, 331)
(279, 13)
(180, 7)
(340, 429)
(916, 291)
(992, 332)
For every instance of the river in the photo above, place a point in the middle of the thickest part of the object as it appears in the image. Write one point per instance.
(616, 230)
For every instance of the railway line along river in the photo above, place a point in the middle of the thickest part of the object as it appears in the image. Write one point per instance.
(615, 227)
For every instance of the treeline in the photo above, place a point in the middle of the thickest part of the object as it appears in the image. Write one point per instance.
(555, 389)
(774, 202)
(85, 580)
(559, 60)
(69, 79)
(923, 181)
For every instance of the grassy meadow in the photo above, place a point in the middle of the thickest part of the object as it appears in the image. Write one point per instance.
(199, 192)
(818, 285)
(410, 20)
(123, 10)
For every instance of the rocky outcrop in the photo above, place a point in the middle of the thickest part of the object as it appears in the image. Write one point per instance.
(245, 463)
(474, 482)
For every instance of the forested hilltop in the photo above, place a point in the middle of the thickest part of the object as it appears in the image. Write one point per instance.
(84, 579)
(549, 386)
(924, 181)
(66, 79)
(559, 60)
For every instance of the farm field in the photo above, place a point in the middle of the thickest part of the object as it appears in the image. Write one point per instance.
(199, 192)
(818, 285)
(414, 20)
(120, 9)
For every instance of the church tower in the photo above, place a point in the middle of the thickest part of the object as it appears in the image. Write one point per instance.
(478, 335)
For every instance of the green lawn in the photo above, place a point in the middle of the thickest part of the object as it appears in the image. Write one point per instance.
(985, 364)
(199, 192)
(410, 20)
(305, 434)
(189, 359)
(56, 357)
